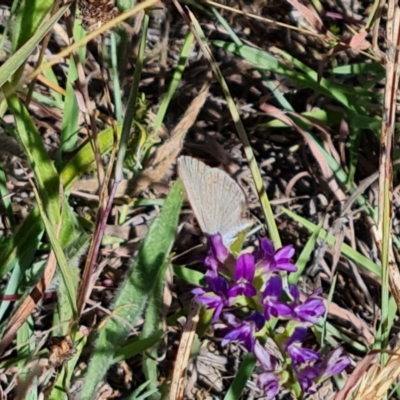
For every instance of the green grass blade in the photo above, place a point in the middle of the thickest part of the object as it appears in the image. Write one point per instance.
(117, 92)
(69, 126)
(176, 79)
(306, 254)
(346, 250)
(344, 94)
(152, 324)
(22, 264)
(265, 203)
(75, 246)
(132, 299)
(20, 245)
(136, 346)
(46, 176)
(29, 17)
(5, 198)
(241, 378)
(61, 260)
(19, 57)
(132, 104)
(84, 159)
(25, 348)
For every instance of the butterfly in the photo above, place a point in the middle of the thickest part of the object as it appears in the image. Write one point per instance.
(217, 200)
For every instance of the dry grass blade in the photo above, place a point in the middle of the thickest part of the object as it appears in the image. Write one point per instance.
(325, 169)
(356, 376)
(167, 153)
(372, 381)
(26, 308)
(383, 234)
(183, 354)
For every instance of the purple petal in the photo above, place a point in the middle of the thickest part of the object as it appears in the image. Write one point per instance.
(217, 296)
(272, 261)
(244, 289)
(218, 285)
(299, 335)
(335, 363)
(258, 319)
(218, 248)
(300, 354)
(209, 300)
(244, 333)
(231, 320)
(273, 288)
(306, 378)
(277, 309)
(263, 356)
(244, 275)
(311, 310)
(294, 347)
(245, 268)
(267, 247)
(285, 265)
(244, 330)
(269, 382)
(294, 292)
(283, 259)
(198, 291)
(217, 255)
(286, 252)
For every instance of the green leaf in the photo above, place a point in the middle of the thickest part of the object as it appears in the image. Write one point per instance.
(137, 290)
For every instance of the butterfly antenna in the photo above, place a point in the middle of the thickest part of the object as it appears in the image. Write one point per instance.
(187, 251)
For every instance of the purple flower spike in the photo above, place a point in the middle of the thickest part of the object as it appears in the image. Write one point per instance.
(244, 275)
(216, 298)
(269, 382)
(244, 331)
(272, 261)
(299, 354)
(311, 310)
(272, 306)
(217, 255)
(334, 364)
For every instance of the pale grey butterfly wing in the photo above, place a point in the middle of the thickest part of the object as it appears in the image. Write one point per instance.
(218, 202)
